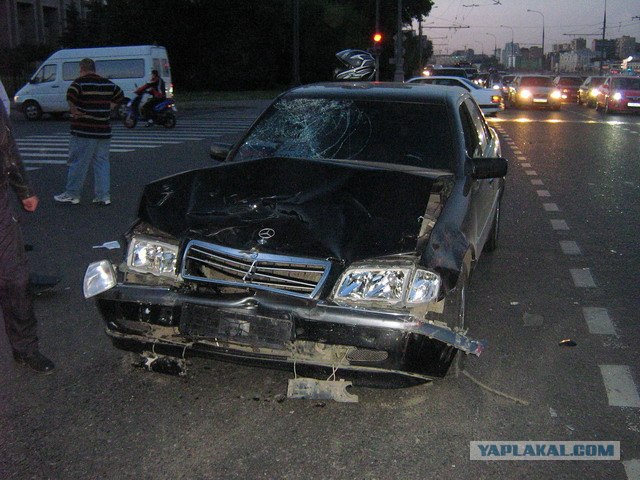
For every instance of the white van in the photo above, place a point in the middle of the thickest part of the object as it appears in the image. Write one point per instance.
(128, 67)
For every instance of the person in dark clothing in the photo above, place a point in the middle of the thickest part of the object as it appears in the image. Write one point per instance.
(91, 99)
(156, 88)
(15, 300)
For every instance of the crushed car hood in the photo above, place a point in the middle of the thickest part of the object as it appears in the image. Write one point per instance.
(293, 206)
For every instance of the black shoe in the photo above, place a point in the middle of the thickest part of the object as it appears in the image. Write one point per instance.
(36, 361)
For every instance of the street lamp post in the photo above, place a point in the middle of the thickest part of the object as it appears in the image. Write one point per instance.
(513, 48)
(495, 45)
(542, 15)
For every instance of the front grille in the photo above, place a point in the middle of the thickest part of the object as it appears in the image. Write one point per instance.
(365, 355)
(224, 266)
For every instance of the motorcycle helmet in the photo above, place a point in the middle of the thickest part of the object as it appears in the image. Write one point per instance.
(357, 65)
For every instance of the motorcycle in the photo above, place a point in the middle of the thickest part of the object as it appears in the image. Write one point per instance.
(163, 113)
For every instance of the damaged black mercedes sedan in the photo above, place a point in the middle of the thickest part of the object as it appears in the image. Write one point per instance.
(339, 234)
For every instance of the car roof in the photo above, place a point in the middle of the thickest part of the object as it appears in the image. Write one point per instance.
(380, 91)
(448, 77)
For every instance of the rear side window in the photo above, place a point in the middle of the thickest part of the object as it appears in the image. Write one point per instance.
(162, 66)
(125, 68)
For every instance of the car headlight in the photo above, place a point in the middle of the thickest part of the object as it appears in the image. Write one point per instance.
(556, 94)
(99, 277)
(594, 92)
(525, 94)
(496, 99)
(617, 96)
(388, 285)
(148, 255)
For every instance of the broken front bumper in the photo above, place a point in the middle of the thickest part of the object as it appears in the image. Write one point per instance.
(266, 328)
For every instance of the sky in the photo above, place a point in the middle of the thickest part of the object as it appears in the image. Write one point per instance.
(563, 21)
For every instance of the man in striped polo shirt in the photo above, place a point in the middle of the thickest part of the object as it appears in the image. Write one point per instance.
(91, 99)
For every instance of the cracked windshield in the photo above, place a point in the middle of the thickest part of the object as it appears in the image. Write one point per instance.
(370, 131)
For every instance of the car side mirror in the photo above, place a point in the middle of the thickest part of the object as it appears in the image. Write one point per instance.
(219, 151)
(488, 167)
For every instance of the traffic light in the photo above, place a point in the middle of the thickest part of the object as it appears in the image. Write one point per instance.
(377, 42)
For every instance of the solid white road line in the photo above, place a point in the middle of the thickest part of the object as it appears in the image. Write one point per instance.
(569, 247)
(598, 321)
(582, 278)
(621, 390)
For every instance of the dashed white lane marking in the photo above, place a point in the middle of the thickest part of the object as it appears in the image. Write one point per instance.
(550, 207)
(537, 181)
(632, 468)
(621, 390)
(569, 247)
(525, 165)
(520, 157)
(531, 173)
(582, 278)
(598, 321)
(543, 193)
(559, 225)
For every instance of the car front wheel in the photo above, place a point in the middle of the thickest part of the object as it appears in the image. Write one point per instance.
(32, 110)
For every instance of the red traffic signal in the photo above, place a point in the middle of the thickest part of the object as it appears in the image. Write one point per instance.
(377, 38)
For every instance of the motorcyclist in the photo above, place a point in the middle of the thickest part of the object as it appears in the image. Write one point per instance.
(156, 88)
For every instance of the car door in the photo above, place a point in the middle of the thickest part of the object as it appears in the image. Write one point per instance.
(46, 87)
(480, 143)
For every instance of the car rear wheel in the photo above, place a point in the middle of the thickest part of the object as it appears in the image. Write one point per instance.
(32, 110)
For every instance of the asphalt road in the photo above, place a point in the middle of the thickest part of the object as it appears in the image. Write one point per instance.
(566, 268)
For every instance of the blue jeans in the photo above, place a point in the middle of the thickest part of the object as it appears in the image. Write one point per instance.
(83, 152)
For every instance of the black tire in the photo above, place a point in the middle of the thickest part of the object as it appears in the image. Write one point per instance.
(492, 242)
(130, 120)
(121, 110)
(32, 110)
(169, 120)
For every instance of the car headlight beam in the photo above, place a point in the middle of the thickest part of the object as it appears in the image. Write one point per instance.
(525, 93)
(556, 94)
(148, 255)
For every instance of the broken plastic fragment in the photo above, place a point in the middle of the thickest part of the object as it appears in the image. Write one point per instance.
(163, 364)
(312, 389)
(567, 342)
(109, 245)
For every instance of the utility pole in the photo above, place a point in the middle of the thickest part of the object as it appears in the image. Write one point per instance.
(377, 49)
(604, 27)
(398, 76)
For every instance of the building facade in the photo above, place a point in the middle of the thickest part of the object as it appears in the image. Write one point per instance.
(33, 22)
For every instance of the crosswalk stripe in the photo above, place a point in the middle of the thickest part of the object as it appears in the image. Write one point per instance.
(53, 148)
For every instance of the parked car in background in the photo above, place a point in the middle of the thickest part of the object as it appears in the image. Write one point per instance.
(588, 91)
(338, 234)
(568, 86)
(534, 91)
(505, 84)
(446, 72)
(489, 100)
(619, 94)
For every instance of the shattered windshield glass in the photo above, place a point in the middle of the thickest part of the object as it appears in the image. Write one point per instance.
(400, 133)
